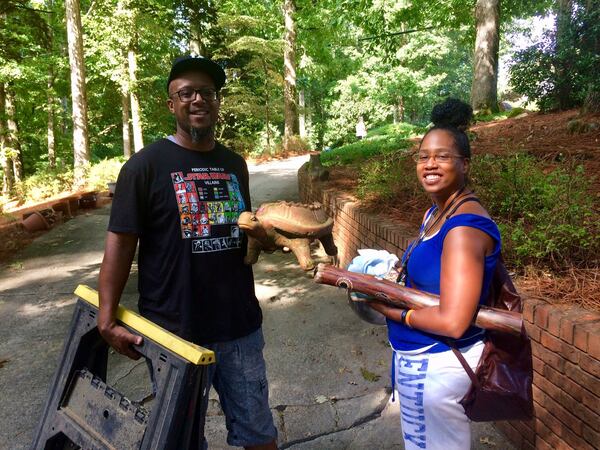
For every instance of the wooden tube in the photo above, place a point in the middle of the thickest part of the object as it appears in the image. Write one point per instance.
(400, 296)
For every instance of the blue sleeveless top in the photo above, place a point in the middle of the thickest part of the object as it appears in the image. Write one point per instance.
(424, 268)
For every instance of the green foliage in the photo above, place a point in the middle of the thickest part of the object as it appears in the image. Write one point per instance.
(515, 112)
(546, 216)
(489, 117)
(425, 68)
(532, 74)
(46, 182)
(559, 71)
(389, 177)
(106, 171)
(266, 143)
(386, 139)
(296, 146)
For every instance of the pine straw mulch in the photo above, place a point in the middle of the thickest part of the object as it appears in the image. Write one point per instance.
(545, 136)
(573, 286)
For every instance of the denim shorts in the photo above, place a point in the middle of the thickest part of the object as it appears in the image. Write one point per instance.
(239, 377)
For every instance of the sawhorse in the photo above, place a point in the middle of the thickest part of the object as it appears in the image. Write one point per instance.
(83, 412)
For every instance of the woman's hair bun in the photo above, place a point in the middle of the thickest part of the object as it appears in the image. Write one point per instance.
(452, 113)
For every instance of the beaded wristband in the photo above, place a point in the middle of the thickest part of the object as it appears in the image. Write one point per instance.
(403, 316)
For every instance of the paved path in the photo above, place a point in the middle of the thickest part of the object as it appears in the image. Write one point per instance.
(328, 371)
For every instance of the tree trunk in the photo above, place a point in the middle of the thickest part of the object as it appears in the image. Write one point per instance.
(484, 94)
(591, 103)
(399, 110)
(5, 162)
(318, 120)
(81, 148)
(125, 125)
(301, 114)
(196, 47)
(564, 42)
(267, 105)
(50, 108)
(289, 72)
(136, 121)
(13, 135)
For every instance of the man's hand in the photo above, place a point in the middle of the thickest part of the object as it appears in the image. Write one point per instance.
(114, 271)
(120, 339)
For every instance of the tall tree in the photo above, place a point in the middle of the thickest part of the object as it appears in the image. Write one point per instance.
(564, 44)
(125, 125)
(301, 113)
(136, 117)
(484, 90)
(51, 102)
(14, 144)
(5, 162)
(201, 16)
(50, 123)
(591, 41)
(81, 151)
(289, 74)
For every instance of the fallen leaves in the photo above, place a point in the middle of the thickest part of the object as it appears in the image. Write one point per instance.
(369, 376)
(487, 441)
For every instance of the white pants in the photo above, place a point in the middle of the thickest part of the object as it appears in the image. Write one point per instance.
(429, 387)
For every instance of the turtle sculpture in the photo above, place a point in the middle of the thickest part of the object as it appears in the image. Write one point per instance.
(288, 227)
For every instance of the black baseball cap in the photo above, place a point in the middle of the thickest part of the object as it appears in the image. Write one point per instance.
(189, 63)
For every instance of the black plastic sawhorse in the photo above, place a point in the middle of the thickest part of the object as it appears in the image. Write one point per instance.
(83, 412)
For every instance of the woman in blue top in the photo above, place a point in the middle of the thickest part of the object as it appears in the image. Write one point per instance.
(454, 257)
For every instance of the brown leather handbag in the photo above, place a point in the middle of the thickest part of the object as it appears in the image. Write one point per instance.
(501, 384)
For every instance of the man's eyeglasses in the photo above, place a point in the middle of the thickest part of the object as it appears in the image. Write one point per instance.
(188, 95)
(422, 158)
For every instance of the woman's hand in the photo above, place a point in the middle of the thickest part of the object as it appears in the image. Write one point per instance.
(388, 311)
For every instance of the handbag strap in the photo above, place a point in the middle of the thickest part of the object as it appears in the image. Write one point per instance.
(463, 362)
(464, 200)
(450, 343)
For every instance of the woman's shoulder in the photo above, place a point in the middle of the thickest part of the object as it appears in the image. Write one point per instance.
(471, 205)
(472, 220)
(472, 213)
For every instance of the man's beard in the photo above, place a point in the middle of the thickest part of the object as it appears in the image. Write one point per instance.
(198, 134)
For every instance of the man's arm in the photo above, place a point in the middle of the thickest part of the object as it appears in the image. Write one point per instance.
(118, 254)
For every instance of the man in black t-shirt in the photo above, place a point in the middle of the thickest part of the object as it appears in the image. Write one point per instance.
(180, 198)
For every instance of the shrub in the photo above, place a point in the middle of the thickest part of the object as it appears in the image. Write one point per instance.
(103, 172)
(546, 216)
(391, 177)
(45, 183)
(48, 182)
(265, 144)
(375, 144)
(296, 146)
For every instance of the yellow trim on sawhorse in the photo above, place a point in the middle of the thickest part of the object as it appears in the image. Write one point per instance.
(191, 352)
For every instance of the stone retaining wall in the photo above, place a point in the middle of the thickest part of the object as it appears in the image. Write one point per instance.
(565, 339)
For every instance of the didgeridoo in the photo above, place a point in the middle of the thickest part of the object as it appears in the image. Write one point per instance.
(400, 296)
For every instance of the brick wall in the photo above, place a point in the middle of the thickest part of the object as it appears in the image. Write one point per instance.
(565, 339)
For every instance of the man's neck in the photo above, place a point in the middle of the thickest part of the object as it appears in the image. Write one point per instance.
(184, 140)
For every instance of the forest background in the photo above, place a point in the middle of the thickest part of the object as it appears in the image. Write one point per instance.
(83, 86)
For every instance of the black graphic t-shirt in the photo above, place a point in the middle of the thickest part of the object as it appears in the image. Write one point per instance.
(183, 205)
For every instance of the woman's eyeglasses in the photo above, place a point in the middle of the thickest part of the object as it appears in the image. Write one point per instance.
(422, 158)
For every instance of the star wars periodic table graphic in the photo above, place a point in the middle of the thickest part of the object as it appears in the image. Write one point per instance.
(209, 201)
